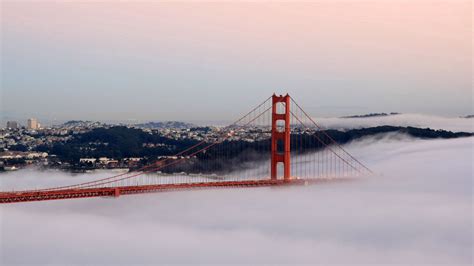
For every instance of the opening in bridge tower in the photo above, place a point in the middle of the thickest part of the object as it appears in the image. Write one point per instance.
(280, 136)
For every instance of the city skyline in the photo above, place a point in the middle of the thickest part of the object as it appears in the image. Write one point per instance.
(127, 61)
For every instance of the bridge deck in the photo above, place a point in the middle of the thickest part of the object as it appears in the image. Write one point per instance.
(12, 197)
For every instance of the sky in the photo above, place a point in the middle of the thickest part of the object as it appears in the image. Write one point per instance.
(135, 60)
(416, 210)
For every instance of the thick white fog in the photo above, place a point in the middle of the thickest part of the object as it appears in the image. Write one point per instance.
(403, 120)
(417, 210)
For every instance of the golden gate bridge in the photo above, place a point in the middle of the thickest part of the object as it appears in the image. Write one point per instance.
(275, 144)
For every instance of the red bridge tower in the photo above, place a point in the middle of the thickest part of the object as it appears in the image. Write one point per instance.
(280, 138)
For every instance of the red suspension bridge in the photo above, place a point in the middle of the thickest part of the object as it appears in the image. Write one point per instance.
(272, 145)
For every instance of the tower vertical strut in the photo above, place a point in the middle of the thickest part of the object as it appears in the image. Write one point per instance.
(280, 139)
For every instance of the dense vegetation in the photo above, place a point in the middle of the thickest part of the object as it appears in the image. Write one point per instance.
(115, 142)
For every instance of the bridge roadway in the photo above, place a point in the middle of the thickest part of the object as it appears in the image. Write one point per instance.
(12, 197)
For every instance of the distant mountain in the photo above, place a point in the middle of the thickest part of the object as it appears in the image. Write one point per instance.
(75, 122)
(166, 124)
(468, 116)
(371, 115)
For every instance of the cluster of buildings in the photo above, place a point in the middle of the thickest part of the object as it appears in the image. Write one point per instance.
(13, 160)
(19, 145)
(17, 138)
(22, 146)
(212, 133)
(31, 124)
(109, 163)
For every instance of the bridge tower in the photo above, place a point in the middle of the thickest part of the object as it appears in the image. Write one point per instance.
(280, 136)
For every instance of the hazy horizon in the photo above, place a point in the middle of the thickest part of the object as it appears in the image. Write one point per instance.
(454, 124)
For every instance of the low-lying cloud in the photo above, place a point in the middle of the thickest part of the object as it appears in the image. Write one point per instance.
(417, 210)
(456, 124)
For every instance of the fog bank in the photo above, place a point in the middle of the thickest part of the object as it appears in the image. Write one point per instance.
(456, 124)
(417, 210)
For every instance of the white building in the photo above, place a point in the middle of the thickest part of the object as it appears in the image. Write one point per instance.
(33, 123)
(87, 160)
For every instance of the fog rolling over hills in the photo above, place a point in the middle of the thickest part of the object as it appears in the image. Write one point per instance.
(456, 124)
(417, 209)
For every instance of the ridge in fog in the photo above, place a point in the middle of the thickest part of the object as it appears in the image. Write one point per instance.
(456, 124)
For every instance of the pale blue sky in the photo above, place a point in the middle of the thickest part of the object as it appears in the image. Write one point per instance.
(214, 62)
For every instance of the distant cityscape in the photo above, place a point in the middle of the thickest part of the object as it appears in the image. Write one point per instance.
(31, 145)
(88, 145)
(31, 124)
